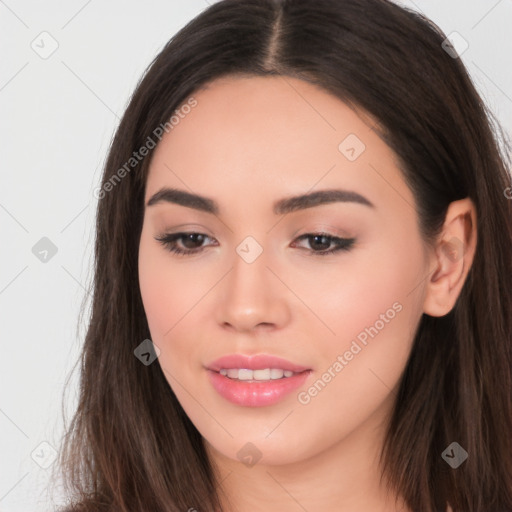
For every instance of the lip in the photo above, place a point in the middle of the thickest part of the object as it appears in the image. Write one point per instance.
(256, 362)
(252, 393)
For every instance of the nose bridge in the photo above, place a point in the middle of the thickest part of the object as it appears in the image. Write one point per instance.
(251, 295)
(250, 270)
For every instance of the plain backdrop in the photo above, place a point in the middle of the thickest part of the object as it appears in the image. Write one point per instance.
(59, 111)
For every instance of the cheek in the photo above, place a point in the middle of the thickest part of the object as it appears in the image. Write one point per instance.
(372, 306)
(173, 294)
(163, 286)
(372, 311)
(157, 297)
(361, 289)
(360, 371)
(379, 307)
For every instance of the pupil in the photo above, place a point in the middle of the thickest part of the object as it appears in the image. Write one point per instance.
(324, 242)
(192, 239)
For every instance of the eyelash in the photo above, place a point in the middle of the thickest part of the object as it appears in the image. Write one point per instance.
(169, 242)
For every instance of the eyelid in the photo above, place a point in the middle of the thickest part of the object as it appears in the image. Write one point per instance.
(186, 228)
(325, 229)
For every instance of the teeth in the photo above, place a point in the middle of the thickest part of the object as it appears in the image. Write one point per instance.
(246, 374)
(276, 373)
(258, 374)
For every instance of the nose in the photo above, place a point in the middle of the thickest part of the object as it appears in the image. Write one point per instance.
(252, 297)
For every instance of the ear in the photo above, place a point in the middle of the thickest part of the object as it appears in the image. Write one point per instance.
(451, 258)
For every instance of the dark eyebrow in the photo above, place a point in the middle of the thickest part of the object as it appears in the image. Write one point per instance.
(173, 195)
(291, 204)
(283, 206)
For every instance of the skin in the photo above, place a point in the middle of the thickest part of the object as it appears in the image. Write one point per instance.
(247, 143)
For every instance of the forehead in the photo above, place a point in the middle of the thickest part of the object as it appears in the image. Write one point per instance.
(265, 134)
(263, 114)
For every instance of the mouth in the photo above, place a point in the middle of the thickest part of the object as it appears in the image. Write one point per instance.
(255, 381)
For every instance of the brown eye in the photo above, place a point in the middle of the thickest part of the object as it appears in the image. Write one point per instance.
(191, 243)
(320, 243)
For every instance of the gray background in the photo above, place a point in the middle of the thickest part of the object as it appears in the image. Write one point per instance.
(59, 114)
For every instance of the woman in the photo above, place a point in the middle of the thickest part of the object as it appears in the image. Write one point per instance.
(302, 291)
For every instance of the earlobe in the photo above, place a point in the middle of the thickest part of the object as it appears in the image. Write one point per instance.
(452, 258)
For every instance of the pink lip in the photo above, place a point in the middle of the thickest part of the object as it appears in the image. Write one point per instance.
(251, 393)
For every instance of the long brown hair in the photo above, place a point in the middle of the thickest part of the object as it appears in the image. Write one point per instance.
(130, 446)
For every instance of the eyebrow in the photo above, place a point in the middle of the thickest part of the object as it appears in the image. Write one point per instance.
(283, 206)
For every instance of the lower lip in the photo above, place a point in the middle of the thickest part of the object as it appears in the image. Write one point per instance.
(256, 394)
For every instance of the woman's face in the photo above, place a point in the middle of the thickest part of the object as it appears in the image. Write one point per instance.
(258, 282)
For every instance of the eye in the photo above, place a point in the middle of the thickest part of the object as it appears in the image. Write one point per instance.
(322, 242)
(192, 243)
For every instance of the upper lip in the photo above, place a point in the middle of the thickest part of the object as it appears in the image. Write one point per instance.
(256, 362)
